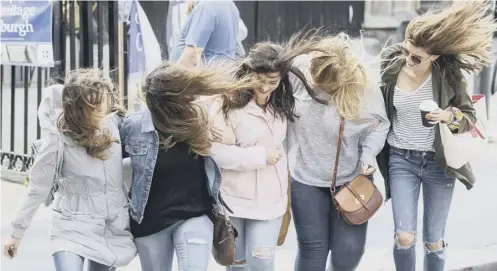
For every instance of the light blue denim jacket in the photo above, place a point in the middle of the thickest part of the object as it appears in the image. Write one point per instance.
(141, 143)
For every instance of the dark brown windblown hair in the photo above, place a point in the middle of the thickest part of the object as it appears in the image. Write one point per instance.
(85, 91)
(270, 57)
(170, 92)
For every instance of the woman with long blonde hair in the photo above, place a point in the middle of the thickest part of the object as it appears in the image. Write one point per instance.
(79, 168)
(427, 70)
(175, 182)
(345, 96)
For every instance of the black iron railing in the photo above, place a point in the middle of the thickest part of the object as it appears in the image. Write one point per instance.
(79, 29)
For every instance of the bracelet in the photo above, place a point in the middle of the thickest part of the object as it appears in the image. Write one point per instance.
(457, 116)
(452, 118)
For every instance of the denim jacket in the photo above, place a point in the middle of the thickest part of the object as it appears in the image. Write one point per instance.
(141, 143)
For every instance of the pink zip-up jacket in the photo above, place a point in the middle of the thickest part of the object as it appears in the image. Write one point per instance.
(251, 188)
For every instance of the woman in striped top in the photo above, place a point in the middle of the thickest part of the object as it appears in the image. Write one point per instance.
(428, 66)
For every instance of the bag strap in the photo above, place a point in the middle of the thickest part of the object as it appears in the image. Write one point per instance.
(57, 172)
(60, 160)
(473, 126)
(337, 158)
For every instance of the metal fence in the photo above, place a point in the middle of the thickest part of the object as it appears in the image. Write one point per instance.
(85, 34)
(279, 20)
(89, 34)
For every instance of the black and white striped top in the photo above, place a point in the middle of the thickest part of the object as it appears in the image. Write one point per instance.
(407, 130)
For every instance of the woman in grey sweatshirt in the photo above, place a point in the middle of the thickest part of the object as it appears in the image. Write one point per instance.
(342, 91)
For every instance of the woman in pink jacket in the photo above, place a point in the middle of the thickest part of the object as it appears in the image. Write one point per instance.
(254, 168)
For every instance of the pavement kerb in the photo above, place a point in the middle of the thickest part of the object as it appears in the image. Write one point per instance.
(13, 176)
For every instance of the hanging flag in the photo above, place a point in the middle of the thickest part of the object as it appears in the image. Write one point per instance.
(136, 54)
(143, 57)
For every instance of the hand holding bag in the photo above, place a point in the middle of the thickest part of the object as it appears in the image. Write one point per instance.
(359, 199)
(459, 148)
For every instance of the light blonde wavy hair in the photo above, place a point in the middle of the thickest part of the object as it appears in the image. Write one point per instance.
(83, 97)
(171, 91)
(461, 35)
(341, 73)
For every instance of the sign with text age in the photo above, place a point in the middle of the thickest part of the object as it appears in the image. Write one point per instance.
(26, 33)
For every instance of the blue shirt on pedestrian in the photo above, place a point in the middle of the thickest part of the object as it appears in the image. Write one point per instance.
(213, 26)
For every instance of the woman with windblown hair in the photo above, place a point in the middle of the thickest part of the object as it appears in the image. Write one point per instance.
(175, 182)
(344, 95)
(90, 219)
(254, 166)
(428, 66)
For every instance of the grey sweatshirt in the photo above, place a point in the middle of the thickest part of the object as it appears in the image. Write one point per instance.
(313, 137)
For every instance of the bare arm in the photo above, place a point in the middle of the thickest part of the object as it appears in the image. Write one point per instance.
(191, 56)
(198, 29)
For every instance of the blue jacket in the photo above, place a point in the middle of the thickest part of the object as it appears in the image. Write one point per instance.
(141, 143)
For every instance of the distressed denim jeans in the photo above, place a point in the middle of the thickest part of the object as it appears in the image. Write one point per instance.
(68, 261)
(320, 229)
(256, 244)
(409, 171)
(192, 240)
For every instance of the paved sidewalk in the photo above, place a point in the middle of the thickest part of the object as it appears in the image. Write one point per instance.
(467, 249)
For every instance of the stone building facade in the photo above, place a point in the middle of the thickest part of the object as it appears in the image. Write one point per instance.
(385, 20)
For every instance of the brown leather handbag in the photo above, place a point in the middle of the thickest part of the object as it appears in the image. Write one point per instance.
(358, 200)
(223, 245)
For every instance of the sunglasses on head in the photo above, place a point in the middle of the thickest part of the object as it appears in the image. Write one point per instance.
(414, 58)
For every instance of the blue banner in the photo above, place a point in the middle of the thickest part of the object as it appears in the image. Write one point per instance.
(136, 53)
(26, 33)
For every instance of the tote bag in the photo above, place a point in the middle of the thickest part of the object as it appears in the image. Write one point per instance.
(460, 148)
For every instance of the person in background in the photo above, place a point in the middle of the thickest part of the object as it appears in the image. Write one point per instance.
(242, 35)
(255, 170)
(428, 66)
(210, 33)
(340, 79)
(90, 219)
(175, 182)
(176, 17)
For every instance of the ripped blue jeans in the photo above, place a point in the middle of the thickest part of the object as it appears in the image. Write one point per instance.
(408, 171)
(192, 240)
(256, 244)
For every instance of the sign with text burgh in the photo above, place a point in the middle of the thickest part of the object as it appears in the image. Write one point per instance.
(26, 33)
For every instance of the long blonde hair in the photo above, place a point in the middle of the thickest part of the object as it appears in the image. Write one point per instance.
(85, 92)
(341, 73)
(461, 35)
(170, 92)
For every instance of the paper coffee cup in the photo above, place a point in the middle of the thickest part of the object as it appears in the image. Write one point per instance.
(426, 107)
